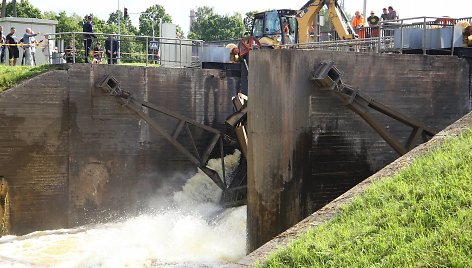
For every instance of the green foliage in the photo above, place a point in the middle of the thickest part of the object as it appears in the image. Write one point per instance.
(180, 32)
(126, 27)
(132, 49)
(421, 217)
(68, 23)
(210, 26)
(152, 15)
(128, 46)
(248, 20)
(24, 9)
(11, 75)
(327, 21)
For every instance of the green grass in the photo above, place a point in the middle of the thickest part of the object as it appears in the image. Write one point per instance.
(11, 75)
(140, 64)
(420, 217)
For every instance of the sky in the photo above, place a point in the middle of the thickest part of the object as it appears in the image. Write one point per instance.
(180, 9)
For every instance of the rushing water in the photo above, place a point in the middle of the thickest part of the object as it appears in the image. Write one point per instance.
(194, 232)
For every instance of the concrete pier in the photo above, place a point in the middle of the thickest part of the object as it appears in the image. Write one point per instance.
(306, 148)
(73, 155)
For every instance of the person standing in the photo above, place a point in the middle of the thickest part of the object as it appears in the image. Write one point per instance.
(373, 21)
(392, 14)
(28, 46)
(111, 47)
(34, 44)
(384, 15)
(13, 51)
(358, 25)
(88, 34)
(2, 46)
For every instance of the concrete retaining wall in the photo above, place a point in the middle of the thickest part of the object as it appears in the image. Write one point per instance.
(73, 155)
(306, 148)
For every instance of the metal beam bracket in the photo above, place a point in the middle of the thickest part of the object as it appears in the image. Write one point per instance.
(328, 78)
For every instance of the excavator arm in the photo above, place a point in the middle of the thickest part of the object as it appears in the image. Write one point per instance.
(307, 13)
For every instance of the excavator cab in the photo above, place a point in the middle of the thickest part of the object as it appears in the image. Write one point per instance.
(276, 27)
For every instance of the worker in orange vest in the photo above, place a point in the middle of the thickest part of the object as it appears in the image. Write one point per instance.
(358, 25)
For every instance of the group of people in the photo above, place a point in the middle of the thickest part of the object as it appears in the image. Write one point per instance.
(359, 25)
(12, 44)
(97, 52)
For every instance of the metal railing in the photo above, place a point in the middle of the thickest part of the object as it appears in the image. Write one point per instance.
(395, 36)
(419, 33)
(132, 49)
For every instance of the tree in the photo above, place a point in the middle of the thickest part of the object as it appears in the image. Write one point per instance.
(180, 32)
(210, 26)
(249, 20)
(67, 23)
(4, 8)
(129, 48)
(24, 9)
(126, 27)
(152, 15)
(328, 24)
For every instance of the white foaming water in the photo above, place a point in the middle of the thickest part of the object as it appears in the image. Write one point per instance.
(189, 235)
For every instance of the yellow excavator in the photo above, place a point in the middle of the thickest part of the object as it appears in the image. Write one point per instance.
(286, 26)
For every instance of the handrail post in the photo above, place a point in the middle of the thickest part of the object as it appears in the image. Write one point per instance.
(49, 52)
(180, 40)
(453, 36)
(424, 36)
(379, 38)
(147, 50)
(74, 47)
(401, 37)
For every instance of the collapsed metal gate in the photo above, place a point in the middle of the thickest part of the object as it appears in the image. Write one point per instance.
(234, 187)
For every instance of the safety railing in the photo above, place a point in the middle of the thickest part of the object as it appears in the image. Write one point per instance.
(419, 33)
(71, 47)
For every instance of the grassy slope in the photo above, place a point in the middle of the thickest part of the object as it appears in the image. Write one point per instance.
(10, 75)
(420, 217)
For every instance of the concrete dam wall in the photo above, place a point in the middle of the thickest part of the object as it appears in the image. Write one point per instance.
(74, 155)
(306, 148)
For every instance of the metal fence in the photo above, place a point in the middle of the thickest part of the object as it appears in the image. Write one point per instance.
(423, 34)
(419, 33)
(132, 49)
